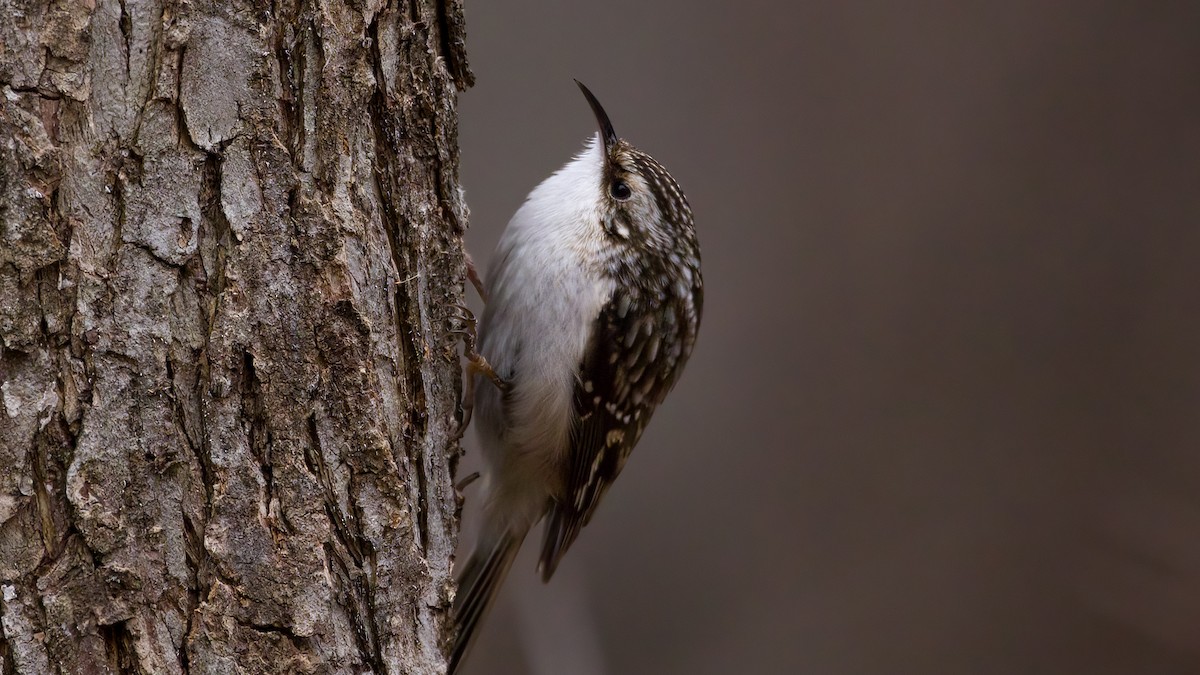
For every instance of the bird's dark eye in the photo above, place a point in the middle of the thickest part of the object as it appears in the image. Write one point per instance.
(620, 190)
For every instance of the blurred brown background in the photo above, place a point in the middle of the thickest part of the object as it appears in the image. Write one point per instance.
(944, 415)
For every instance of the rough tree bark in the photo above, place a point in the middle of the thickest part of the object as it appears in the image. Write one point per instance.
(230, 236)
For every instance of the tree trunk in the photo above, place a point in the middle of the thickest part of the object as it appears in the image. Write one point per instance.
(230, 237)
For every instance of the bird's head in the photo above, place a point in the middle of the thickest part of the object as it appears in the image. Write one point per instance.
(637, 199)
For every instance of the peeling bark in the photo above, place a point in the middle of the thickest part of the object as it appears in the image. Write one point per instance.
(230, 238)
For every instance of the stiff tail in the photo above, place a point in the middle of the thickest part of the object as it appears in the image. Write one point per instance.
(477, 588)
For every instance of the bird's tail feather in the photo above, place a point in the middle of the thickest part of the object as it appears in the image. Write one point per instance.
(477, 588)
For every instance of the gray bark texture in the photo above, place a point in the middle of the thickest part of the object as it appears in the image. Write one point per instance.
(230, 239)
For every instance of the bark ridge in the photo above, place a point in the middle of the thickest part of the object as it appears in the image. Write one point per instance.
(230, 236)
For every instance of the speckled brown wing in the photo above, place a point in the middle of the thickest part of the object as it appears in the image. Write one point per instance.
(637, 351)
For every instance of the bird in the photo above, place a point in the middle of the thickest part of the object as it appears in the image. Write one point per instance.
(594, 303)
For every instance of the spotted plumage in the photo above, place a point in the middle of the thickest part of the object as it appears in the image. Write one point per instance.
(638, 345)
(595, 297)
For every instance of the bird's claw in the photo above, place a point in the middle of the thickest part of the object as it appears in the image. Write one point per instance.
(464, 327)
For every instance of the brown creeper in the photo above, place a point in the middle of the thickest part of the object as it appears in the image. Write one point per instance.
(595, 300)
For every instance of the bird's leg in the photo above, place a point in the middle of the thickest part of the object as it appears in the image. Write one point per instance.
(465, 328)
(473, 275)
(467, 480)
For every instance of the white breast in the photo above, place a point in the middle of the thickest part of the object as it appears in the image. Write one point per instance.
(543, 302)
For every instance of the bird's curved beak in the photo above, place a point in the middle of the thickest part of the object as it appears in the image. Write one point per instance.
(606, 129)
